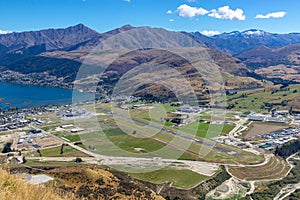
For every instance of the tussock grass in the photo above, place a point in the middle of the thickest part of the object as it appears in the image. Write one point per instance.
(12, 187)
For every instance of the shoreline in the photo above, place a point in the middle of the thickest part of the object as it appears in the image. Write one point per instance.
(22, 96)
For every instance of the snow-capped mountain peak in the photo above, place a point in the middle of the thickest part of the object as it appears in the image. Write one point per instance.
(254, 32)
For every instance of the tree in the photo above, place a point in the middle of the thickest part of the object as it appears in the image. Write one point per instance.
(39, 152)
(284, 103)
(62, 149)
(288, 149)
(7, 148)
(78, 160)
(291, 110)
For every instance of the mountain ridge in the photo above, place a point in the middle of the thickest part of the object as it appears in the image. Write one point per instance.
(58, 54)
(236, 42)
(58, 66)
(81, 37)
(52, 38)
(262, 56)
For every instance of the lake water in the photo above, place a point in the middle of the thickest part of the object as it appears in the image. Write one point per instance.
(24, 96)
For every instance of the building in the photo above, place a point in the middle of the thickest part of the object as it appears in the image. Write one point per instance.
(275, 119)
(21, 140)
(76, 130)
(282, 112)
(257, 117)
(35, 131)
(67, 126)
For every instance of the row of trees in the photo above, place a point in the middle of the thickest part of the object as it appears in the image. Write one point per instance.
(288, 149)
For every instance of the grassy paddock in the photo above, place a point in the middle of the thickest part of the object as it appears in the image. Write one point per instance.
(254, 100)
(203, 128)
(55, 152)
(184, 179)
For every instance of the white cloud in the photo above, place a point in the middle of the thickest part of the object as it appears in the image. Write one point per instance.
(4, 32)
(127, 1)
(191, 1)
(226, 13)
(190, 12)
(210, 33)
(169, 12)
(171, 20)
(271, 15)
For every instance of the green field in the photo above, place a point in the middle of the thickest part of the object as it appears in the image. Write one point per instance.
(37, 163)
(147, 145)
(112, 140)
(254, 100)
(182, 178)
(70, 137)
(128, 143)
(55, 152)
(202, 129)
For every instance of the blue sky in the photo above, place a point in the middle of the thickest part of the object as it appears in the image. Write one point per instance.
(280, 16)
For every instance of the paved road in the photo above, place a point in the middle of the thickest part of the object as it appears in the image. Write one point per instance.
(287, 191)
(237, 127)
(284, 192)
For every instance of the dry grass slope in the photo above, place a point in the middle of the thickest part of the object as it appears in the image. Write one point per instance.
(93, 183)
(12, 187)
(276, 168)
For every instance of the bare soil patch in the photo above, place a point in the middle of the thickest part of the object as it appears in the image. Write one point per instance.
(257, 129)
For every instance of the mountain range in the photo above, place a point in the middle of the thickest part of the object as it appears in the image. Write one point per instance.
(236, 42)
(53, 57)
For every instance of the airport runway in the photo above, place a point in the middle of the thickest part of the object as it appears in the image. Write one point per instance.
(174, 133)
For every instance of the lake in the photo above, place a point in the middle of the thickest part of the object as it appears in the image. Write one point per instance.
(25, 96)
